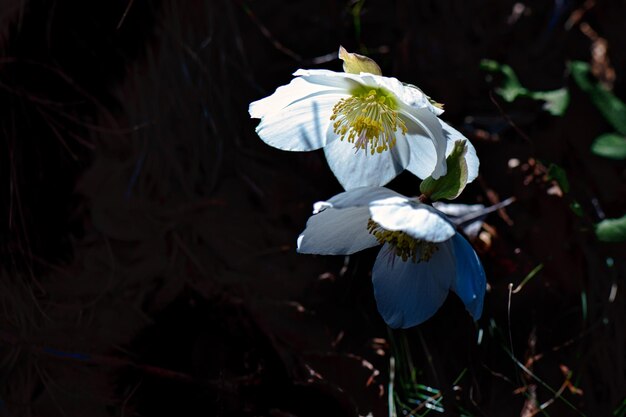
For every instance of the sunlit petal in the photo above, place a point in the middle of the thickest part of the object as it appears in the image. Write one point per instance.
(322, 77)
(336, 232)
(358, 167)
(406, 93)
(427, 143)
(301, 126)
(298, 89)
(362, 196)
(419, 221)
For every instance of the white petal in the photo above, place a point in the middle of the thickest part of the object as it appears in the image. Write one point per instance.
(296, 90)
(469, 283)
(452, 135)
(391, 84)
(337, 232)
(321, 206)
(419, 221)
(359, 168)
(340, 80)
(362, 196)
(409, 293)
(408, 94)
(457, 210)
(461, 215)
(427, 158)
(301, 126)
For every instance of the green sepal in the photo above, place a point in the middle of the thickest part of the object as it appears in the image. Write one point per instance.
(356, 64)
(452, 184)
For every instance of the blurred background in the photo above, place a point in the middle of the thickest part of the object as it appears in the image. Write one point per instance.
(147, 235)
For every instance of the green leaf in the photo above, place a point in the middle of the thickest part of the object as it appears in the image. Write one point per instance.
(511, 87)
(611, 230)
(528, 277)
(610, 145)
(556, 101)
(559, 175)
(452, 184)
(611, 107)
(356, 64)
(576, 208)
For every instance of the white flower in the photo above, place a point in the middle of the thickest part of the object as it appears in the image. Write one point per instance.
(421, 260)
(371, 127)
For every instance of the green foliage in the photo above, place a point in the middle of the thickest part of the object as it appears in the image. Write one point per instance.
(556, 101)
(612, 230)
(559, 175)
(511, 87)
(406, 395)
(577, 208)
(452, 184)
(357, 9)
(611, 107)
(610, 145)
(528, 277)
(620, 411)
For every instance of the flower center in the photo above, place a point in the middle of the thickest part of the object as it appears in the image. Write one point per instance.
(368, 118)
(403, 245)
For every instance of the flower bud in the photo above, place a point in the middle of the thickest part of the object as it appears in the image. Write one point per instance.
(356, 64)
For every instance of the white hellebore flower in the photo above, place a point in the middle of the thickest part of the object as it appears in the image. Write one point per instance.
(422, 258)
(371, 127)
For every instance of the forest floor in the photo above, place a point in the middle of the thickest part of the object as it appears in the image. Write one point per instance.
(148, 235)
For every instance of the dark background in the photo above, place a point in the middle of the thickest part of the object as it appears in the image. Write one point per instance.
(147, 235)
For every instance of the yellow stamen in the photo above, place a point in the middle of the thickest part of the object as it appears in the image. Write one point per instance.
(368, 118)
(402, 244)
